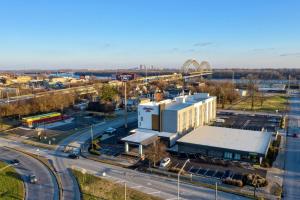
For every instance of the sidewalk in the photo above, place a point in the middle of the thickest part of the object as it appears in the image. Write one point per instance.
(276, 173)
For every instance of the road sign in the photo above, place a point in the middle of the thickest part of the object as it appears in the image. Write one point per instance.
(125, 77)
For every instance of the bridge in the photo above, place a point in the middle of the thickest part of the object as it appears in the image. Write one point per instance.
(193, 69)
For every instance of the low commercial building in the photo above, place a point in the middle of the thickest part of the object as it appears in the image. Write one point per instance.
(226, 143)
(34, 121)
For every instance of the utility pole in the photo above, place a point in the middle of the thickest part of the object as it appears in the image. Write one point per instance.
(216, 193)
(92, 137)
(178, 176)
(125, 102)
(125, 190)
(289, 85)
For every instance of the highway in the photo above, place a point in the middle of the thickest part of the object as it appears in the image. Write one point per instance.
(152, 184)
(79, 90)
(291, 182)
(46, 186)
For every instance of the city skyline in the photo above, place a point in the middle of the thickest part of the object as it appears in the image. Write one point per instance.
(98, 34)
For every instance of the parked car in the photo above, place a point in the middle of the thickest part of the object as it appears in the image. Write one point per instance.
(295, 135)
(32, 179)
(165, 162)
(73, 156)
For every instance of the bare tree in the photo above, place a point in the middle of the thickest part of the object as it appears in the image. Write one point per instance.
(156, 152)
(252, 88)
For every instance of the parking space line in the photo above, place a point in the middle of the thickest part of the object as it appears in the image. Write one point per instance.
(135, 187)
(156, 192)
(176, 165)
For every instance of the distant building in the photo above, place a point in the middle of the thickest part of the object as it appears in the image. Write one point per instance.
(241, 92)
(281, 88)
(22, 79)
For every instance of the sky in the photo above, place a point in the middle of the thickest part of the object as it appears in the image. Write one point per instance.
(101, 34)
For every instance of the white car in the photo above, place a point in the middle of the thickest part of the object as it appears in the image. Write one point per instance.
(165, 162)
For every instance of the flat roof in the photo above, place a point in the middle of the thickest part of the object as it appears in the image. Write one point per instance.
(228, 138)
(177, 106)
(160, 134)
(140, 137)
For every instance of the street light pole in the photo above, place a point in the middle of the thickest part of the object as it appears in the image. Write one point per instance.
(178, 176)
(125, 102)
(216, 193)
(92, 137)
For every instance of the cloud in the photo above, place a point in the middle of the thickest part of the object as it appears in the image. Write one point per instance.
(297, 54)
(202, 44)
(263, 49)
(106, 45)
(190, 50)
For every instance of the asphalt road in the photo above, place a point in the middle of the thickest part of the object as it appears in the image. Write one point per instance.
(163, 187)
(291, 182)
(70, 187)
(151, 184)
(46, 187)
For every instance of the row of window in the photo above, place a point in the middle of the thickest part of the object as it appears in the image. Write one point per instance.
(229, 155)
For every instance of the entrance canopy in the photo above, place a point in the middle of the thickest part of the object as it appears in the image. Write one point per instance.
(141, 138)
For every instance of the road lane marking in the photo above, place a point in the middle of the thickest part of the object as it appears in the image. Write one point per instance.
(156, 192)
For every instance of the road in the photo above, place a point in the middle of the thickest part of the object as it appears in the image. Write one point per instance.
(80, 89)
(70, 187)
(85, 135)
(46, 187)
(291, 183)
(148, 183)
(152, 184)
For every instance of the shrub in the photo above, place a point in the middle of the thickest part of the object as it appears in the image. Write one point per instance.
(94, 152)
(176, 170)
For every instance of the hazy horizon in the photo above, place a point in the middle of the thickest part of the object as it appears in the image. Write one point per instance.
(116, 34)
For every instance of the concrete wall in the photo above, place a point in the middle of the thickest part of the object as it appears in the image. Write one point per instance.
(186, 119)
(170, 121)
(145, 113)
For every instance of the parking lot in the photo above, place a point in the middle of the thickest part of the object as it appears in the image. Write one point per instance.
(255, 122)
(198, 167)
(79, 121)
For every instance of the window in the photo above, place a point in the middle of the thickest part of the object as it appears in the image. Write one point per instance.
(190, 118)
(184, 120)
(237, 156)
(142, 118)
(228, 155)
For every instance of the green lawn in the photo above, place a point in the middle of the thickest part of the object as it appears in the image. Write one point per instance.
(11, 185)
(93, 188)
(270, 104)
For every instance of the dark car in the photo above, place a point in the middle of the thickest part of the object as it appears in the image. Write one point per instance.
(73, 156)
(32, 178)
(15, 162)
